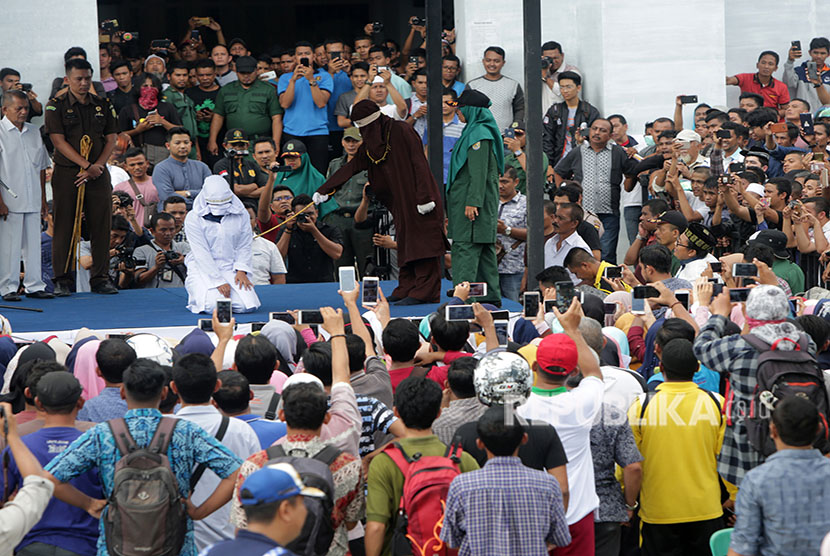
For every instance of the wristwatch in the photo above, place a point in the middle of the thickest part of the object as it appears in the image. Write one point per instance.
(641, 238)
(313, 83)
(520, 152)
(634, 507)
(508, 231)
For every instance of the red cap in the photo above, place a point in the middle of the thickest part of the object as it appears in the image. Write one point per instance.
(557, 350)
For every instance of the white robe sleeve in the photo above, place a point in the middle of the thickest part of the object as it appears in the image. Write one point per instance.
(243, 245)
(200, 256)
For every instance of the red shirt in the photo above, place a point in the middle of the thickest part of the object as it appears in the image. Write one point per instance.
(438, 374)
(273, 235)
(775, 94)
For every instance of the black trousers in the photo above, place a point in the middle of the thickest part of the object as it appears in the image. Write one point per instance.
(318, 149)
(335, 144)
(679, 539)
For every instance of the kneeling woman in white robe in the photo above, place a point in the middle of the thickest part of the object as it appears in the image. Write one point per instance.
(219, 232)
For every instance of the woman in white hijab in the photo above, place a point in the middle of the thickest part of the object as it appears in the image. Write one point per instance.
(219, 232)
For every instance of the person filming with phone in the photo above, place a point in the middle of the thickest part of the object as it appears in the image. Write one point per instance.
(309, 247)
(800, 78)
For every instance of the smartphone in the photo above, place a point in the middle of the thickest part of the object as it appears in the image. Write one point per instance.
(638, 306)
(206, 325)
(738, 295)
(643, 292)
(736, 167)
(716, 268)
(224, 310)
(459, 312)
(780, 127)
(267, 75)
(744, 269)
(717, 289)
(478, 289)
(683, 297)
(806, 123)
(501, 332)
(500, 315)
(311, 317)
(382, 69)
(348, 281)
(335, 55)
(203, 21)
(723, 134)
(812, 70)
(714, 281)
(26, 87)
(796, 44)
(549, 305)
(413, 60)
(612, 272)
(117, 336)
(530, 304)
(194, 35)
(160, 43)
(688, 99)
(257, 326)
(370, 290)
(305, 62)
(509, 133)
(565, 292)
(284, 317)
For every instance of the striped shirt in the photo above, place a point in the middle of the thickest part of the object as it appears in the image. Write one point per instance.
(377, 418)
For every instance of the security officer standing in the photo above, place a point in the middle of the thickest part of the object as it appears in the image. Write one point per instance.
(82, 127)
(357, 242)
(248, 178)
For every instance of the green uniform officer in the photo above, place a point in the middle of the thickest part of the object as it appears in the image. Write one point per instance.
(178, 76)
(82, 127)
(248, 104)
(473, 195)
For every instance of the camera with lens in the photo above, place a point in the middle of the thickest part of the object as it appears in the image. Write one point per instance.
(109, 26)
(280, 167)
(547, 62)
(377, 27)
(236, 153)
(418, 21)
(124, 254)
(171, 255)
(302, 217)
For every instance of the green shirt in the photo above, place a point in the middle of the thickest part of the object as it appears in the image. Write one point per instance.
(385, 482)
(248, 109)
(675, 265)
(186, 108)
(791, 273)
(350, 193)
(476, 185)
(511, 160)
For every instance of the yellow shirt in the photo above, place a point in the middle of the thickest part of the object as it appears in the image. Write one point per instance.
(679, 437)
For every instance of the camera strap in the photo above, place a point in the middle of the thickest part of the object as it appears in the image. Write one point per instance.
(174, 267)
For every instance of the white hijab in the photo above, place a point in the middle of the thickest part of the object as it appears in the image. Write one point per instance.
(216, 198)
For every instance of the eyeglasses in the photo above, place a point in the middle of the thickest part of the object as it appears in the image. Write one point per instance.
(567, 87)
(284, 198)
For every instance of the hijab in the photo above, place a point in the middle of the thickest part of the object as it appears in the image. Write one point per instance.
(306, 180)
(481, 126)
(286, 340)
(85, 366)
(195, 342)
(766, 308)
(37, 350)
(217, 199)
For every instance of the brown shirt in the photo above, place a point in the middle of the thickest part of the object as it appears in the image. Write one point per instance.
(66, 115)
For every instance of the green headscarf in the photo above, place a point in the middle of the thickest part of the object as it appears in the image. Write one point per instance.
(481, 125)
(306, 180)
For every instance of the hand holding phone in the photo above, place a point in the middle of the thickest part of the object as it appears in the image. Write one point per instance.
(224, 311)
(530, 304)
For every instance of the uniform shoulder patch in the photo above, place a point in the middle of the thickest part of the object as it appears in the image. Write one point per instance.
(476, 145)
(251, 173)
(51, 107)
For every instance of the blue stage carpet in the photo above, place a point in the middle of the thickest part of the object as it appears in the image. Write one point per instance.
(149, 308)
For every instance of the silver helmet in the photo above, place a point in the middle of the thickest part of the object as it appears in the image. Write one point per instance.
(502, 377)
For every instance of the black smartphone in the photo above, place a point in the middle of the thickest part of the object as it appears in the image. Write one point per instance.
(736, 167)
(683, 298)
(723, 134)
(565, 292)
(257, 326)
(510, 133)
(335, 55)
(500, 315)
(413, 60)
(305, 62)
(717, 268)
(284, 317)
(688, 99)
(549, 305)
(160, 43)
(117, 336)
(194, 35)
(613, 272)
(812, 70)
(643, 292)
(311, 317)
(744, 269)
(26, 87)
(206, 325)
(224, 310)
(530, 304)
(806, 123)
(796, 44)
(738, 295)
(717, 289)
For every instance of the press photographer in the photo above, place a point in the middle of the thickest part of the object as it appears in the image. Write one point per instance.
(161, 264)
(309, 248)
(122, 262)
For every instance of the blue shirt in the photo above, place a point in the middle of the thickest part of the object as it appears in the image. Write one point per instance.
(189, 446)
(170, 176)
(249, 544)
(62, 525)
(267, 431)
(783, 506)
(706, 378)
(375, 417)
(304, 117)
(452, 131)
(103, 407)
(458, 87)
(341, 84)
(504, 508)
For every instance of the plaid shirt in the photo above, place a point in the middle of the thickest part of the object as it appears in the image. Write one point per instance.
(734, 356)
(504, 508)
(514, 214)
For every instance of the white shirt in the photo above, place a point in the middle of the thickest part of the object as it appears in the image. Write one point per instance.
(21, 514)
(621, 388)
(240, 439)
(22, 157)
(691, 271)
(572, 415)
(554, 256)
(117, 174)
(392, 111)
(266, 260)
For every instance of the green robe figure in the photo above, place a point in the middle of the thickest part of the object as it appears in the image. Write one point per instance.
(473, 196)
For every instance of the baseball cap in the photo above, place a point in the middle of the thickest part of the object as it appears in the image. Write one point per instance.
(675, 218)
(58, 389)
(236, 135)
(557, 350)
(756, 188)
(275, 483)
(293, 147)
(246, 64)
(774, 239)
(688, 135)
(352, 133)
(756, 151)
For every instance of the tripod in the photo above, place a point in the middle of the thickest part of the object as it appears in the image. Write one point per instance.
(379, 264)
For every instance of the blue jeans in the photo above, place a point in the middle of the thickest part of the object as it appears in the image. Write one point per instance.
(608, 241)
(632, 221)
(511, 284)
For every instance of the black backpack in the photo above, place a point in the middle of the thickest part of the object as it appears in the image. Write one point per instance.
(318, 529)
(146, 515)
(782, 374)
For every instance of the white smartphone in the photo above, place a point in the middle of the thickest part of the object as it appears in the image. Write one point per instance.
(348, 282)
(501, 332)
(530, 304)
(224, 310)
(310, 317)
(370, 290)
(478, 289)
(459, 312)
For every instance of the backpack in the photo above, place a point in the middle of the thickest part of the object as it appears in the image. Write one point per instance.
(146, 515)
(782, 374)
(421, 510)
(318, 529)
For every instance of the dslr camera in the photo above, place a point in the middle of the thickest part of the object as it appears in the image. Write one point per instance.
(377, 27)
(275, 167)
(236, 153)
(124, 254)
(171, 255)
(302, 217)
(417, 21)
(547, 62)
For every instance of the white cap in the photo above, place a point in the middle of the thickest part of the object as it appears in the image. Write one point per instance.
(688, 135)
